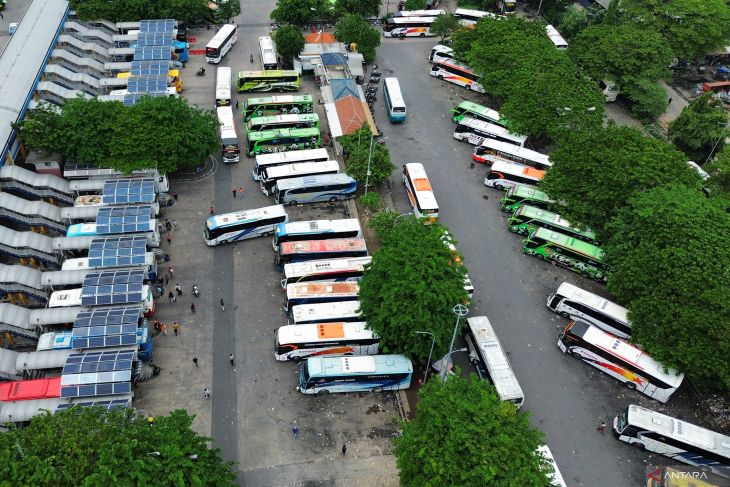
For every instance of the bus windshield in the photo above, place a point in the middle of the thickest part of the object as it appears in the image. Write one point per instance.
(221, 43)
(277, 105)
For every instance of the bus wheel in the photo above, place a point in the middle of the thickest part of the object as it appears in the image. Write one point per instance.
(333, 199)
(539, 256)
(638, 445)
(565, 315)
(323, 392)
(423, 34)
(297, 359)
(499, 187)
(584, 274)
(468, 87)
(377, 389)
(293, 203)
(441, 77)
(576, 355)
(630, 385)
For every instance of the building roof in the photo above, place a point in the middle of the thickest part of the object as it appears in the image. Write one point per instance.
(333, 59)
(352, 113)
(320, 38)
(342, 88)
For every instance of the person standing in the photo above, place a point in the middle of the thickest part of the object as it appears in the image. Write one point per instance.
(236, 104)
(230, 357)
(295, 431)
(178, 289)
(234, 191)
(170, 271)
(171, 297)
(174, 224)
(164, 329)
(206, 393)
(344, 448)
(212, 210)
(175, 327)
(195, 361)
(169, 238)
(192, 307)
(223, 305)
(601, 427)
(240, 191)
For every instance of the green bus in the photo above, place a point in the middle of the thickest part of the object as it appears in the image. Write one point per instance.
(474, 110)
(518, 194)
(270, 80)
(277, 105)
(281, 140)
(291, 121)
(526, 218)
(582, 257)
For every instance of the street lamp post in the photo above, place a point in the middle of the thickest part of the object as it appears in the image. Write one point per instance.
(722, 134)
(395, 220)
(433, 340)
(459, 310)
(367, 175)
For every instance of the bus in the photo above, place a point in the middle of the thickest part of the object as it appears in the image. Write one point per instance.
(316, 230)
(241, 225)
(469, 18)
(526, 218)
(223, 87)
(507, 6)
(419, 13)
(268, 53)
(271, 80)
(67, 298)
(280, 140)
(449, 242)
(475, 132)
(332, 248)
(332, 270)
(315, 189)
(503, 174)
(490, 359)
(491, 150)
(519, 194)
(274, 122)
(458, 74)
(420, 193)
(221, 43)
(303, 314)
(408, 27)
(229, 138)
(477, 112)
(89, 230)
(271, 175)
(582, 257)
(299, 342)
(619, 359)
(574, 303)
(674, 438)
(555, 477)
(369, 373)
(320, 292)
(394, 100)
(555, 37)
(439, 52)
(264, 161)
(277, 105)
(149, 264)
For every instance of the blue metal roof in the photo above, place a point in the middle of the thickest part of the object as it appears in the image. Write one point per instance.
(333, 59)
(342, 88)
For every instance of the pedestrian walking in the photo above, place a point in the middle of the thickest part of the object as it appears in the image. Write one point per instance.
(670, 101)
(601, 427)
(223, 305)
(174, 224)
(171, 297)
(169, 238)
(164, 329)
(206, 393)
(234, 191)
(192, 307)
(170, 271)
(175, 327)
(236, 104)
(195, 361)
(230, 357)
(168, 225)
(295, 431)
(240, 192)
(178, 289)
(344, 448)
(212, 210)
(167, 280)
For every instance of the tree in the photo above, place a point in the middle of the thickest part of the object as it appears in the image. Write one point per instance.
(596, 172)
(445, 25)
(719, 171)
(289, 41)
(670, 265)
(363, 8)
(92, 446)
(692, 28)
(298, 12)
(648, 99)
(699, 127)
(352, 28)
(462, 434)
(359, 147)
(226, 10)
(192, 11)
(412, 284)
(415, 4)
(573, 21)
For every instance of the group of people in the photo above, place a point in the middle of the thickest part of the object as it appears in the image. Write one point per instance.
(161, 327)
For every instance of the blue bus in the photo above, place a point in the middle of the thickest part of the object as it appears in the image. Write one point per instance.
(314, 189)
(394, 100)
(373, 373)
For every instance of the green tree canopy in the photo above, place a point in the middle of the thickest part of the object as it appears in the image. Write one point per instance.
(595, 172)
(412, 284)
(298, 12)
(363, 8)
(289, 41)
(648, 99)
(91, 446)
(671, 266)
(352, 28)
(692, 28)
(226, 10)
(699, 127)
(163, 133)
(445, 25)
(719, 171)
(358, 150)
(416, 4)
(132, 10)
(462, 434)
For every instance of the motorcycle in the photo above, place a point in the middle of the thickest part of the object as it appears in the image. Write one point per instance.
(196, 291)
(200, 72)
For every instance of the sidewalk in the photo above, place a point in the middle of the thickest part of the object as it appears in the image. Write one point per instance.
(675, 107)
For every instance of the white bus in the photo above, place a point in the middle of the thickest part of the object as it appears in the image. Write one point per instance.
(490, 151)
(476, 131)
(315, 189)
(408, 27)
(303, 314)
(263, 161)
(72, 297)
(420, 193)
(371, 373)
(223, 87)
(681, 441)
(457, 73)
(505, 174)
(469, 18)
(331, 248)
(268, 53)
(241, 225)
(449, 242)
(620, 360)
(555, 477)
(331, 270)
(299, 342)
(320, 292)
(221, 43)
(490, 360)
(229, 138)
(419, 13)
(271, 175)
(440, 52)
(574, 303)
(394, 100)
(316, 230)
(555, 37)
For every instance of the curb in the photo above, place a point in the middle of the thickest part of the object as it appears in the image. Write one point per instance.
(213, 167)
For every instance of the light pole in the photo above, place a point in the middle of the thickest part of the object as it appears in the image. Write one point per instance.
(722, 134)
(367, 175)
(459, 310)
(433, 340)
(395, 220)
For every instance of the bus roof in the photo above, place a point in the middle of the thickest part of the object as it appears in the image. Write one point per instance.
(269, 73)
(491, 128)
(243, 216)
(517, 169)
(356, 330)
(314, 288)
(419, 13)
(408, 20)
(326, 266)
(362, 365)
(221, 35)
(316, 180)
(594, 301)
(560, 239)
(487, 112)
(472, 13)
(328, 245)
(517, 152)
(318, 226)
(527, 191)
(299, 168)
(461, 66)
(340, 309)
(289, 118)
(270, 100)
(626, 352)
(676, 428)
(442, 48)
(422, 186)
(66, 297)
(393, 87)
(291, 156)
(549, 217)
(491, 350)
(273, 134)
(81, 229)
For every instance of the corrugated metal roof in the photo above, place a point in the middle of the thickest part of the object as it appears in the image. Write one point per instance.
(342, 88)
(47, 359)
(20, 411)
(20, 274)
(8, 360)
(333, 59)
(80, 212)
(72, 243)
(320, 38)
(54, 316)
(352, 114)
